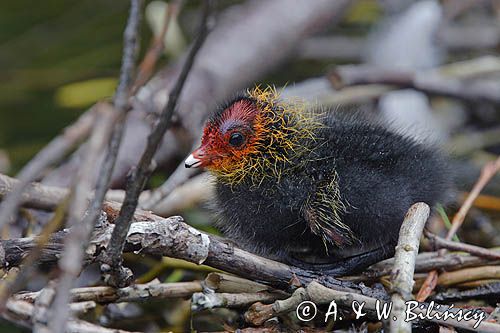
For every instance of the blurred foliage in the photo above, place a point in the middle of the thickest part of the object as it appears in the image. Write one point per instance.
(47, 45)
(83, 93)
(58, 57)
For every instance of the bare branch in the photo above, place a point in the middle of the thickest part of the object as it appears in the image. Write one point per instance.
(487, 172)
(404, 263)
(135, 293)
(428, 82)
(442, 243)
(154, 52)
(35, 195)
(489, 292)
(469, 274)
(115, 274)
(210, 300)
(20, 312)
(250, 30)
(171, 237)
(71, 261)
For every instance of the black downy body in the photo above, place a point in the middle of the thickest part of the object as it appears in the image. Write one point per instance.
(378, 175)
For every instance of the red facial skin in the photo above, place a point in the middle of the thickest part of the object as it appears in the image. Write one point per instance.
(216, 151)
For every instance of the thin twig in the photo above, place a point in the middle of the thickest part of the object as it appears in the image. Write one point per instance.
(404, 264)
(136, 293)
(78, 239)
(319, 294)
(41, 308)
(71, 261)
(171, 237)
(36, 195)
(428, 261)
(427, 82)
(489, 291)
(184, 195)
(115, 274)
(487, 172)
(469, 274)
(210, 300)
(441, 243)
(20, 313)
(154, 52)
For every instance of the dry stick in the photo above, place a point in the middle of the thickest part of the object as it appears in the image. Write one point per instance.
(13, 251)
(41, 308)
(192, 192)
(124, 91)
(121, 104)
(72, 257)
(225, 283)
(49, 155)
(319, 294)
(402, 276)
(17, 279)
(428, 261)
(469, 274)
(21, 313)
(431, 83)
(76, 243)
(210, 300)
(114, 273)
(149, 61)
(135, 293)
(172, 237)
(404, 263)
(490, 291)
(36, 195)
(488, 171)
(181, 174)
(441, 243)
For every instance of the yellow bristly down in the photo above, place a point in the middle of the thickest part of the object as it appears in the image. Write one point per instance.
(279, 129)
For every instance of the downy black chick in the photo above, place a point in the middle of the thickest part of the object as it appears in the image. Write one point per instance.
(317, 189)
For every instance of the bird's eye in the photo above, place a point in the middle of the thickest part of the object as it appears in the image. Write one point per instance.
(236, 139)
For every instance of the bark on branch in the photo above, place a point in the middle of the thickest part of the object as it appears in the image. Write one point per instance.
(151, 234)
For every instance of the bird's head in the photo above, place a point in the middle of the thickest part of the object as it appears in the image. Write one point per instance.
(229, 136)
(253, 136)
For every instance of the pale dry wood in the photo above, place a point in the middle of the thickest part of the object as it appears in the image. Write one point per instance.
(134, 293)
(210, 300)
(249, 30)
(469, 274)
(113, 271)
(20, 313)
(404, 263)
(70, 263)
(441, 243)
(487, 172)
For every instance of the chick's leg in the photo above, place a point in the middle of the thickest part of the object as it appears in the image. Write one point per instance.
(348, 265)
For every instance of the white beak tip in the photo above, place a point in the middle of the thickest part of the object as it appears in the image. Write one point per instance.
(192, 162)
